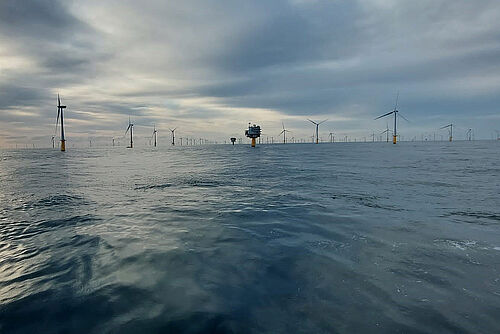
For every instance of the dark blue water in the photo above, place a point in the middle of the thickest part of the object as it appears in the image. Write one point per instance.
(330, 238)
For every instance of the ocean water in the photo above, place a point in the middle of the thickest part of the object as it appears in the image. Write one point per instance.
(296, 238)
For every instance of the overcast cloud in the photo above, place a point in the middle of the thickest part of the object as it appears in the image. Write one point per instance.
(210, 67)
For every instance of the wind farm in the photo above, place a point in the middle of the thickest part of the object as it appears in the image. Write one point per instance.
(152, 139)
(295, 166)
(254, 133)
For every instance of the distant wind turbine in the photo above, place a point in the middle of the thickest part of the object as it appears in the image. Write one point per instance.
(395, 112)
(173, 136)
(284, 132)
(60, 114)
(332, 137)
(131, 128)
(154, 136)
(386, 131)
(450, 126)
(468, 134)
(317, 126)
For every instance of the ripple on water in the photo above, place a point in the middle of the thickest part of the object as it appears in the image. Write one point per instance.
(311, 239)
(475, 217)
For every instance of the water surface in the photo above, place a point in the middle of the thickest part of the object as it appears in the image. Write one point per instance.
(329, 238)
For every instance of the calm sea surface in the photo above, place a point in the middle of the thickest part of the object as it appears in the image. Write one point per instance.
(296, 238)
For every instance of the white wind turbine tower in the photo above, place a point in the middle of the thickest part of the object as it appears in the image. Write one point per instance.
(284, 132)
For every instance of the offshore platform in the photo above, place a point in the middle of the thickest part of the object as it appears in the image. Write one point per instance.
(253, 132)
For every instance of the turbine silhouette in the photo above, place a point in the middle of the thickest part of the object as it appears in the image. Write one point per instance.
(317, 126)
(60, 114)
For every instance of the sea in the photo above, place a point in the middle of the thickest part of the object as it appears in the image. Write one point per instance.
(282, 238)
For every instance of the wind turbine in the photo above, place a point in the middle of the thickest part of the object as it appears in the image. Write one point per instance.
(317, 126)
(468, 134)
(173, 136)
(395, 112)
(60, 114)
(386, 132)
(332, 137)
(284, 133)
(131, 128)
(154, 135)
(53, 142)
(451, 130)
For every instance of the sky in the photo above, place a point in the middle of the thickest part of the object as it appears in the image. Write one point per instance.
(210, 67)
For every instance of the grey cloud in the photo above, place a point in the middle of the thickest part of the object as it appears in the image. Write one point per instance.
(12, 95)
(293, 36)
(306, 58)
(37, 19)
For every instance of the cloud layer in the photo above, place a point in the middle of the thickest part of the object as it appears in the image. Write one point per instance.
(219, 64)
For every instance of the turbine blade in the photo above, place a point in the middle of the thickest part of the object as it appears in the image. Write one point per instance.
(397, 98)
(283, 124)
(313, 122)
(403, 117)
(385, 115)
(57, 120)
(323, 121)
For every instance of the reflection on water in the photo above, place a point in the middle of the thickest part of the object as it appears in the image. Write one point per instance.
(343, 238)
